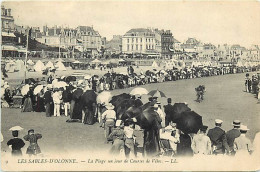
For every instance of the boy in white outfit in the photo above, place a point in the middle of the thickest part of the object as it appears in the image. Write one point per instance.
(56, 100)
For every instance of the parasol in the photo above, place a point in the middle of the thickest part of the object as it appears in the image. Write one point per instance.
(87, 76)
(104, 97)
(179, 108)
(59, 84)
(16, 128)
(25, 89)
(189, 122)
(70, 78)
(156, 93)
(37, 89)
(142, 76)
(139, 90)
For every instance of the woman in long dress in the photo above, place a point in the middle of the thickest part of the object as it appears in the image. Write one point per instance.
(40, 102)
(27, 105)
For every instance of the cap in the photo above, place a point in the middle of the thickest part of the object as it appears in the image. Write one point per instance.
(236, 123)
(31, 130)
(243, 128)
(218, 121)
(204, 128)
(169, 100)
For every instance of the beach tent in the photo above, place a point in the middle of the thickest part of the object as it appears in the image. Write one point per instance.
(30, 62)
(96, 61)
(49, 65)
(154, 64)
(239, 64)
(39, 66)
(60, 66)
(19, 65)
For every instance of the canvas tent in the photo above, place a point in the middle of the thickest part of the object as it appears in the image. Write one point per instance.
(60, 66)
(39, 66)
(154, 64)
(19, 65)
(49, 65)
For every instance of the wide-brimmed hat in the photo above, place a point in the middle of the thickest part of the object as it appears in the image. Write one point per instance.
(236, 123)
(109, 106)
(243, 128)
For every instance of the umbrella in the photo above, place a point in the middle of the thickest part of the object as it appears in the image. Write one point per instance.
(59, 84)
(2, 92)
(87, 76)
(37, 89)
(139, 90)
(189, 122)
(16, 128)
(70, 78)
(179, 108)
(156, 93)
(25, 89)
(104, 97)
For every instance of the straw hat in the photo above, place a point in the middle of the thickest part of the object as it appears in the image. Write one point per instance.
(109, 106)
(236, 123)
(243, 128)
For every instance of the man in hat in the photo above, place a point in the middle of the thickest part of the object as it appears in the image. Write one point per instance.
(168, 109)
(218, 138)
(33, 148)
(201, 143)
(169, 133)
(57, 101)
(66, 98)
(16, 144)
(138, 102)
(48, 100)
(109, 117)
(242, 144)
(233, 134)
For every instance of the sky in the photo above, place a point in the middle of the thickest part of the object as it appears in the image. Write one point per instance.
(210, 22)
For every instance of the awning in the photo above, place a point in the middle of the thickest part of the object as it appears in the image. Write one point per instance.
(9, 48)
(8, 34)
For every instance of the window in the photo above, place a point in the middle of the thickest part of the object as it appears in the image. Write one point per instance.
(149, 40)
(141, 39)
(136, 47)
(141, 47)
(132, 40)
(146, 39)
(127, 47)
(136, 40)
(128, 40)
(147, 47)
(132, 47)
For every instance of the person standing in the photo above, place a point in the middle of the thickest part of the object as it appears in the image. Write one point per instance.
(56, 100)
(168, 109)
(109, 117)
(48, 100)
(232, 135)
(119, 134)
(161, 114)
(129, 138)
(242, 144)
(16, 143)
(201, 143)
(66, 97)
(33, 148)
(184, 145)
(218, 139)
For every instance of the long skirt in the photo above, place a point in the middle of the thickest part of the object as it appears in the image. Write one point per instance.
(117, 147)
(89, 117)
(151, 143)
(27, 105)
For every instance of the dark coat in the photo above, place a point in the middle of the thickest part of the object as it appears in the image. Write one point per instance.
(218, 139)
(66, 96)
(184, 147)
(47, 97)
(17, 144)
(231, 136)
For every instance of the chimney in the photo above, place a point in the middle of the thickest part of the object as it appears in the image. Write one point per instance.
(9, 12)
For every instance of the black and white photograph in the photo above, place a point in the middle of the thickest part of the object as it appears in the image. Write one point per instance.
(130, 85)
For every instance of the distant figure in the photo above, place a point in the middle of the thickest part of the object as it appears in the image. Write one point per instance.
(33, 148)
(109, 117)
(200, 90)
(168, 109)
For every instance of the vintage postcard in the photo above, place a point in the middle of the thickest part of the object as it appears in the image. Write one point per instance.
(130, 85)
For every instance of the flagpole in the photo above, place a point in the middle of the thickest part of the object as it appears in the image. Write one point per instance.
(26, 56)
(59, 46)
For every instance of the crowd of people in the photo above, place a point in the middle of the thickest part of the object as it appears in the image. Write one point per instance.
(252, 85)
(66, 95)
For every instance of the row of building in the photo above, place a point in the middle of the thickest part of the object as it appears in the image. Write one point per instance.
(137, 42)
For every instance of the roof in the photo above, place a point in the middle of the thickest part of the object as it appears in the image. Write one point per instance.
(192, 41)
(87, 29)
(138, 31)
(176, 41)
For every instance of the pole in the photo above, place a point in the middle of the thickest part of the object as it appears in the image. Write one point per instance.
(59, 46)
(26, 56)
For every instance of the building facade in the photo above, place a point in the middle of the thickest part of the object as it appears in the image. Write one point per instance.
(139, 41)
(115, 44)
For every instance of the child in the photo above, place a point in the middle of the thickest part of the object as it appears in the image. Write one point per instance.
(33, 148)
(118, 133)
